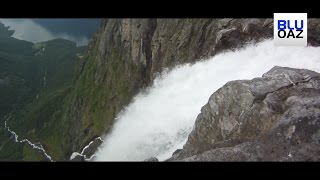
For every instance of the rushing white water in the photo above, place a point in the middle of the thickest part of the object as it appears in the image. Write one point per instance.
(158, 122)
(74, 154)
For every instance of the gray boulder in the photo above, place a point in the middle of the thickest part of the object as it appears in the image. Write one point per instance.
(273, 118)
(92, 147)
(152, 159)
(78, 158)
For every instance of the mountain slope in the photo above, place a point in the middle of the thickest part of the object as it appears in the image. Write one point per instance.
(34, 79)
(17, 70)
(123, 58)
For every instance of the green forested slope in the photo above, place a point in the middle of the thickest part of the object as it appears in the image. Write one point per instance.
(34, 81)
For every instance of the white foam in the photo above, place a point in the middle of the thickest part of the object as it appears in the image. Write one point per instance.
(158, 122)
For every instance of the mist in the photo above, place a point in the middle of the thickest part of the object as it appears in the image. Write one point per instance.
(158, 121)
(27, 29)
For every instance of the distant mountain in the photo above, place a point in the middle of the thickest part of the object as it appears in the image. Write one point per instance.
(33, 81)
(75, 27)
(17, 74)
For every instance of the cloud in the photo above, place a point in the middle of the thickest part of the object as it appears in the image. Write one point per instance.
(27, 29)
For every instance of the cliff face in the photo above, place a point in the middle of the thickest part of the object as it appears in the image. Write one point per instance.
(126, 54)
(123, 57)
(273, 118)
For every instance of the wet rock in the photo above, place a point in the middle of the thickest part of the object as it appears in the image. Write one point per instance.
(273, 118)
(133, 51)
(92, 147)
(77, 157)
(152, 159)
